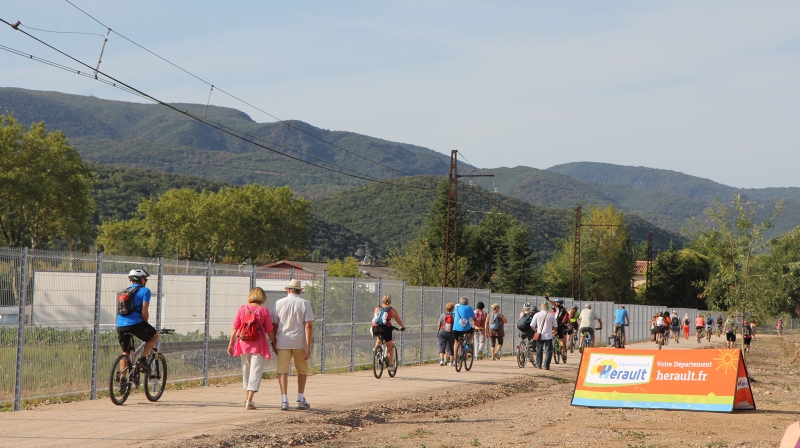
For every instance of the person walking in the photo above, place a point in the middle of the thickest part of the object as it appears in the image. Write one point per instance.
(686, 328)
(445, 335)
(481, 333)
(251, 328)
(544, 324)
(495, 322)
(294, 334)
(676, 326)
(747, 335)
(730, 332)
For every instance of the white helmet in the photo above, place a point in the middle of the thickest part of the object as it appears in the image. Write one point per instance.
(136, 274)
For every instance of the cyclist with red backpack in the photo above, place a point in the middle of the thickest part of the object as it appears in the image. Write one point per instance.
(382, 325)
(445, 335)
(133, 312)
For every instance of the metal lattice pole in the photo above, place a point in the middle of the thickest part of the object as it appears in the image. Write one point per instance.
(21, 330)
(206, 351)
(252, 276)
(98, 287)
(402, 314)
(160, 294)
(324, 310)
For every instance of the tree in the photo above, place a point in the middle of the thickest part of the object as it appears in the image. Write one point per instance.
(516, 273)
(779, 282)
(678, 276)
(419, 265)
(347, 268)
(45, 188)
(732, 245)
(233, 225)
(607, 260)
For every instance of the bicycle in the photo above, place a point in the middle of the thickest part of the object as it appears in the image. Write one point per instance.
(709, 333)
(125, 374)
(525, 352)
(557, 351)
(463, 359)
(615, 340)
(573, 340)
(380, 357)
(660, 339)
(700, 335)
(586, 340)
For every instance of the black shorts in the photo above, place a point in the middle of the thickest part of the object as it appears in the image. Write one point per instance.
(458, 334)
(747, 340)
(699, 329)
(142, 330)
(383, 330)
(660, 329)
(562, 331)
(528, 334)
(730, 336)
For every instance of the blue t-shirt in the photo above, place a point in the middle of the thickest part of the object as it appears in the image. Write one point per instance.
(619, 316)
(462, 312)
(135, 316)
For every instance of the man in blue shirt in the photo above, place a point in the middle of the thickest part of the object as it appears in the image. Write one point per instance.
(464, 322)
(135, 322)
(621, 321)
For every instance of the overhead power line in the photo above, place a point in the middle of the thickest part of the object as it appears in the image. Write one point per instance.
(127, 88)
(216, 87)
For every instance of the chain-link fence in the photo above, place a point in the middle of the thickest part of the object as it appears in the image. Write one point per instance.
(58, 318)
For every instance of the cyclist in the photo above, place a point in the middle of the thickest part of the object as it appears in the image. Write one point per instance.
(660, 325)
(574, 315)
(382, 325)
(667, 326)
(719, 325)
(527, 334)
(621, 320)
(699, 324)
(586, 321)
(709, 327)
(676, 326)
(464, 322)
(562, 318)
(136, 323)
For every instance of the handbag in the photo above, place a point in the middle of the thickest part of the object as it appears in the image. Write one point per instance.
(538, 334)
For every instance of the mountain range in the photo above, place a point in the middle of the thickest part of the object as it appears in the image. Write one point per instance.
(152, 142)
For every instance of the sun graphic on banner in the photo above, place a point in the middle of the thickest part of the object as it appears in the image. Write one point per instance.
(728, 359)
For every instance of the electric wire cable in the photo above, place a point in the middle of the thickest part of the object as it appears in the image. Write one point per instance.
(60, 32)
(312, 135)
(125, 87)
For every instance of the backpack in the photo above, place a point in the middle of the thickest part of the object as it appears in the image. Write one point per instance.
(524, 322)
(494, 321)
(479, 318)
(125, 301)
(247, 332)
(447, 323)
(675, 322)
(747, 331)
(383, 316)
(686, 322)
(461, 321)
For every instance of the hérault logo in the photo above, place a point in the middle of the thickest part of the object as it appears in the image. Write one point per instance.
(618, 370)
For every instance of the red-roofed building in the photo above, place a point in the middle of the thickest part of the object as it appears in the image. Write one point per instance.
(639, 273)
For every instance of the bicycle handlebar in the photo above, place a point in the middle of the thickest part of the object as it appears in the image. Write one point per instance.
(167, 331)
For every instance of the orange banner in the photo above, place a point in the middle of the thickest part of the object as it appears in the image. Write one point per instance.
(703, 380)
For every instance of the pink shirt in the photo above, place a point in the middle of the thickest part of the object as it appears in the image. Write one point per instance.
(263, 324)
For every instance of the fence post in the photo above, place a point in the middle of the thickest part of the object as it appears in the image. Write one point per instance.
(208, 327)
(402, 315)
(353, 327)
(514, 327)
(380, 292)
(252, 276)
(421, 322)
(160, 294)
(441, 311)
(21, 330)
(324, 309)
(98, 284)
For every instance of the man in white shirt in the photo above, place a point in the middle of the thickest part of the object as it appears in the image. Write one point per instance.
(292, 319)
(586, 321)
(543, 323)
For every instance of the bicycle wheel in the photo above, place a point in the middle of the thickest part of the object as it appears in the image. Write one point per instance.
(459, 356)
(557, 352)
(522, 353)
(377, 362)
(468, 358)
(156, 380)
(119, 386)
(572, 343)
(392, 369)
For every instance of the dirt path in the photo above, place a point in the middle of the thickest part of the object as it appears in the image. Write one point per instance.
(496, 404)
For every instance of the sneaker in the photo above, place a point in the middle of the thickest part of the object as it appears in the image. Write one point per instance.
(452, 363)
(284, 406)
(468, 348)
(301, 404)
(249, 406)
(441, 362)
(142, 364)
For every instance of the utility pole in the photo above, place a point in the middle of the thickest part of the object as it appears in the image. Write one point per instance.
(648, 282)
(451, 229)
(576, 257)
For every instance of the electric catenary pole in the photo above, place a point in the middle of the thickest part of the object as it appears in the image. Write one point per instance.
(576, 257)
(648, 282)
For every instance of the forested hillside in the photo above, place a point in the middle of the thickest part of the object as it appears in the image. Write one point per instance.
(152, 136)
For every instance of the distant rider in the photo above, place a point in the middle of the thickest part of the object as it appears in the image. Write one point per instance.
(136, 323)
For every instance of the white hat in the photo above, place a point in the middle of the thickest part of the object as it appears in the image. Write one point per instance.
(294, 284)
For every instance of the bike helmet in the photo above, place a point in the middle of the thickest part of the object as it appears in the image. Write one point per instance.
(527, 306)
(559, 301)
(574, 307)
(136, 274)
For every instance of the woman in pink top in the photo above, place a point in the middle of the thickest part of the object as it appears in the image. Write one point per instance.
(254, 352)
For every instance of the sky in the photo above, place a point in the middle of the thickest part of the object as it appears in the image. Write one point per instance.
(705, 88)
